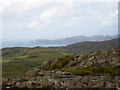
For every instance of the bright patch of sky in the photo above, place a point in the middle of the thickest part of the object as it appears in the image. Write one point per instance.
(30, 20)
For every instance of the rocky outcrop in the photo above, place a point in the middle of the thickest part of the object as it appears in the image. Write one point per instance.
(58, 79)
(66, 72)
(99, 59)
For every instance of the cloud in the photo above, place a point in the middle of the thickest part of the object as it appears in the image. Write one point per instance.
(69, 5)
(53, 13)
(75, 20)
(115, 13)
(29, 5)
(32, 24)
(95, 14)
(108, 20)
(23, 5)
(5, 3)
(72, 12)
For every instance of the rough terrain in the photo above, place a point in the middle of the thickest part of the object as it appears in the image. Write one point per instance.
(99, 69)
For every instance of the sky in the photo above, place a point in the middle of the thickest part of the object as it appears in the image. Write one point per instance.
(30, 20)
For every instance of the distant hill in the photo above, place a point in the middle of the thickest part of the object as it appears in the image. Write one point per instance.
(88, 46)
(75, 39)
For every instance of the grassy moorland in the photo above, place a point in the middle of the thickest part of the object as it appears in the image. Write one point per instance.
(16, 61)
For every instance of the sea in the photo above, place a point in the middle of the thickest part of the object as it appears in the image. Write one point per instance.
(25, 44)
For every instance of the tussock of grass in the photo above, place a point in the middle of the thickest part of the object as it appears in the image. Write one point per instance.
(61, 62)
(106, 71)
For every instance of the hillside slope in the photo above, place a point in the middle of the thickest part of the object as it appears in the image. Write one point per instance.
(97, 69)
(97, 59)
(89, 46)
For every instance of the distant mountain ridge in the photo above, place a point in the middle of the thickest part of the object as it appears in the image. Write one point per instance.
(89, 46)
(75, 39)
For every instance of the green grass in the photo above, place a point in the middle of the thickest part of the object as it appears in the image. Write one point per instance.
(17, 61)
(62, 61)
(104, 71)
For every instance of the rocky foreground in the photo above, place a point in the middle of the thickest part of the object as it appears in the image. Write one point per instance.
(57, 79)
(99, 69)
